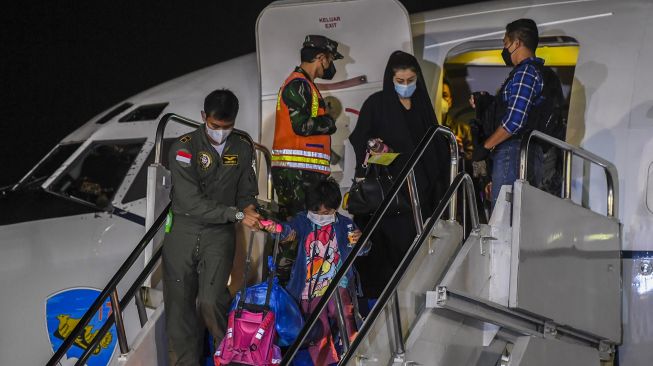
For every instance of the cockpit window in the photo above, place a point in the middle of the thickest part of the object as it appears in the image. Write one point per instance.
(114, 112)
(144, 113)
(94, 177)
(46, 167)
(138, 188)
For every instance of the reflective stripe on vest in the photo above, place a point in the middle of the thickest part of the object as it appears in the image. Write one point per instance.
(314, 161)
(310, 154)
(315, 101)
(302, 166)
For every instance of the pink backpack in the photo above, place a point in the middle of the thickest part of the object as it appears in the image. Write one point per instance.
(249, 339)
(250, 330)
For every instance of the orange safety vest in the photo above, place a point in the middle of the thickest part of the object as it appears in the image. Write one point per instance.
(293, 151)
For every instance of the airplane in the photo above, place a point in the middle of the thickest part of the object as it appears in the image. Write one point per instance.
(68, 225)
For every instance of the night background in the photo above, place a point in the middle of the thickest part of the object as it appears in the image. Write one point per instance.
(64, 62)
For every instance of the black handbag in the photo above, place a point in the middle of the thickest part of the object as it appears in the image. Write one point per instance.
(365, 196)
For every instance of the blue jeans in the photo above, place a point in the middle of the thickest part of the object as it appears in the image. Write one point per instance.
(505, 165)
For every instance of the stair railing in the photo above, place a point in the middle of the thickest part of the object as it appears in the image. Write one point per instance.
(389, 292)
(406, 176)
(569, 151)
(111, 289)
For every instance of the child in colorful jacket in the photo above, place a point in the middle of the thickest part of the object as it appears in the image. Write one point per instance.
(325, 239)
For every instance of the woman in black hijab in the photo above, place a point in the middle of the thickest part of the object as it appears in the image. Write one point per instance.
(400, 115)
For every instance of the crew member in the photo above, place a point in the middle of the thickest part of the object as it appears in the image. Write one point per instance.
(213, 186)
(301, 153)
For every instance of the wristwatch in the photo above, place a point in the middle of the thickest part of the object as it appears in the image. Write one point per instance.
(240, 215)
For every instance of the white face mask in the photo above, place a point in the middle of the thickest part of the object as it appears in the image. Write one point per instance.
(321, 220)
(218, 136)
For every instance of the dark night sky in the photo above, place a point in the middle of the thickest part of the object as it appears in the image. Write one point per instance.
(62, 62)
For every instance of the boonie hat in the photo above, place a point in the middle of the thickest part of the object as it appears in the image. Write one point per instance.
(323, 43)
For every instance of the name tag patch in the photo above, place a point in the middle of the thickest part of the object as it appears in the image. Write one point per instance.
(230, 160)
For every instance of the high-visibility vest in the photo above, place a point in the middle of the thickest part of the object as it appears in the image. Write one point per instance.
(293, 151)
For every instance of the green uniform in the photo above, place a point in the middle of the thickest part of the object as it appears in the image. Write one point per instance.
(290, 184)
(208, 190)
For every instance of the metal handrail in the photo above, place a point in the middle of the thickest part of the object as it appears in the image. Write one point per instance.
(371, 226)
(612, 178)
(108, 290)
(129, 295)
(158, 144)
(390, 288)
(111, 289)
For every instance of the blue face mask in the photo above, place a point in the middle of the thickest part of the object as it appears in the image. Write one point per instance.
(406, 91)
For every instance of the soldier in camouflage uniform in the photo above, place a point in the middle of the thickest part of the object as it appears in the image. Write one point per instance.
(213, 186)
(301, 152)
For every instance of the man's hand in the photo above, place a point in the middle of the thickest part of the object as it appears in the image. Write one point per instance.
(480, 153)
(252, 217)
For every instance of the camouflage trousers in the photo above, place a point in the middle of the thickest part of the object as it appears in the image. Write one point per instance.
(290, 186)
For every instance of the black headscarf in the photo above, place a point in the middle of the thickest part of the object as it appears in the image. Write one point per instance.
(383, 116)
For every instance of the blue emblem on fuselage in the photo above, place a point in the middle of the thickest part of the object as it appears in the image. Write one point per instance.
(62, 313)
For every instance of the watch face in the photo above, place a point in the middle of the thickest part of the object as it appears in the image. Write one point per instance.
(240, 215)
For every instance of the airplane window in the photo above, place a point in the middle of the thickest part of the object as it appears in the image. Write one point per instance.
(49, 165)
(144, 113)
(114, 112)
(96, 175)
(138, 188)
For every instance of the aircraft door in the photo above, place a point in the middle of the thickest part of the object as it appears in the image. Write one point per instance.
(367, 32)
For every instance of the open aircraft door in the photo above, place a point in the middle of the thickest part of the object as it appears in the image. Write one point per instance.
(367, 32)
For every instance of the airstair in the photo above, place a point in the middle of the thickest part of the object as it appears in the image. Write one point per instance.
(539, 285)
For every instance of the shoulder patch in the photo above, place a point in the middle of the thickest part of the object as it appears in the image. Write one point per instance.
(205, 160)
(184, 139)
(183, 157)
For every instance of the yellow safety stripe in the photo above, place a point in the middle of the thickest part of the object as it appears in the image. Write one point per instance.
(300, 159)
(310, 154)
(303, 166)
(314, 103)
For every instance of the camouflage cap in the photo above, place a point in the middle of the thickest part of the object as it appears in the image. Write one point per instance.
(323, 43)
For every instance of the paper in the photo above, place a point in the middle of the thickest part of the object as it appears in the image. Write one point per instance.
(383, 158)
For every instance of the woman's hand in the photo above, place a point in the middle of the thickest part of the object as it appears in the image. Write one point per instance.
(355, 235)
(488, 191)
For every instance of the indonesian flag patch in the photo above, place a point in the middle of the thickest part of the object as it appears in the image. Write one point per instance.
(184, 157)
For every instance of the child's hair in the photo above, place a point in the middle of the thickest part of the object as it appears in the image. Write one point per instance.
(325, 193)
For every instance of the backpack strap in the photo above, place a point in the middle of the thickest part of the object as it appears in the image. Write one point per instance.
(226, 348)
(267, 325)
